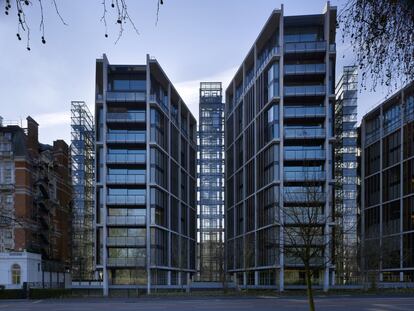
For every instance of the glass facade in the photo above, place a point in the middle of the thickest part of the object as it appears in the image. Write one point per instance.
(386, 188)
(210, 176)
(279, 147)
(346, 152)
(144, 238)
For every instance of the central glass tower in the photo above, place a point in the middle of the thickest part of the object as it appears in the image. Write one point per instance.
(210, 211)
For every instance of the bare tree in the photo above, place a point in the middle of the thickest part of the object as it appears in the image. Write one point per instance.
(381, 34)
(308, 230)
(121, 16)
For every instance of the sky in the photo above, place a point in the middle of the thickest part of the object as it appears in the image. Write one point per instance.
(194, 41)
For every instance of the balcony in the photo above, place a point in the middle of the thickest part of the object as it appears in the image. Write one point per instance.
(303, 155)
(304, 196)
(126, 96)
(126, 262)
(304, 133)
(126, 220)
(125, 158)
(126, 199)
(127, 117)
(126, 138)
(304, 112)
(305, 69)
(126, 179)
(303, 176)
(306, 90)
(125, 241)
(305, 47)
(163, 103)
(264, 60)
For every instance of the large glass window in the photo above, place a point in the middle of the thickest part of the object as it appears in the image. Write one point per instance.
(273, 81)
(272, 127)
(129, 85)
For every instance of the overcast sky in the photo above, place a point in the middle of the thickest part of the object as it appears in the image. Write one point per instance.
(194, 40)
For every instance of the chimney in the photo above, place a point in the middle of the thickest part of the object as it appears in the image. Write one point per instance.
(32, 135)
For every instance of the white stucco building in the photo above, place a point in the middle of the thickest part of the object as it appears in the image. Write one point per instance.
(17, 268)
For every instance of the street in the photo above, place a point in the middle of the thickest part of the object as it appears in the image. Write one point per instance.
(262, 303)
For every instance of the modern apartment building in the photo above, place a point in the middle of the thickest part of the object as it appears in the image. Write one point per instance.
(210, 179)
(83, 165)
(35, 207)
(387, 188)
(346, 176)
(279, 147)
(145, 179)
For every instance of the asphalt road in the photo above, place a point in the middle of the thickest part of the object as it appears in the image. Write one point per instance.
(211, 303)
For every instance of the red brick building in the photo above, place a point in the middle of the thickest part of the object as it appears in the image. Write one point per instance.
(35, 196)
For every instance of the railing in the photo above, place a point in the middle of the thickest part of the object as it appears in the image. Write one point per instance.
(163, 103)
(305, 196)
(126, 158)
(305, 133)
(125, 96)
(307, 90)
(126, 262)
(126, 199)
(125, 179)
(304, 69)
(305, 154)
(301, 47)
(303, 176)
(125, 241)
(126, 220)
(261, 63)
(126, 116)
(300, 112)
(126, 138)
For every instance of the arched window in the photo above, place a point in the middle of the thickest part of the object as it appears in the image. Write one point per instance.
(16, 274)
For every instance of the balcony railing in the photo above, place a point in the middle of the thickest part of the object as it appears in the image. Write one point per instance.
(302, 69)
(304, 155)
(126, 138)
(163, 103)
(125, 179)
(305, 196)
(125, 241)
(301, 133)
(126, 96)
(306, 90)
(262, 62)
(126, 158)
(304, 176)
(126, 220)
(126, 262)
(126, 199)
(125, 117)
(305, 47)
(304, 112)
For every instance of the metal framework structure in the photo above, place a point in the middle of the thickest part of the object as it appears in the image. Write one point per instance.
(210, 210)
(82, 156)
(346, 176)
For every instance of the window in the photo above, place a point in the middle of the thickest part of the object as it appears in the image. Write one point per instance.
(16, 274)
(391, 183)
(391, 149)
(272, 128)
(273, 81)
(392, 118)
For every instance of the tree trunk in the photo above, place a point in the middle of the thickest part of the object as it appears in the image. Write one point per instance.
(309, 289)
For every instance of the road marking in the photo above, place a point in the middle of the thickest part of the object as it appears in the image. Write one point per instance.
(37, 301)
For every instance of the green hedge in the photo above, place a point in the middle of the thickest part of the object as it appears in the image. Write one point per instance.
(43, 293)
(12, 294)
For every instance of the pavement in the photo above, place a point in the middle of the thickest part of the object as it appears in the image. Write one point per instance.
(260, 303)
